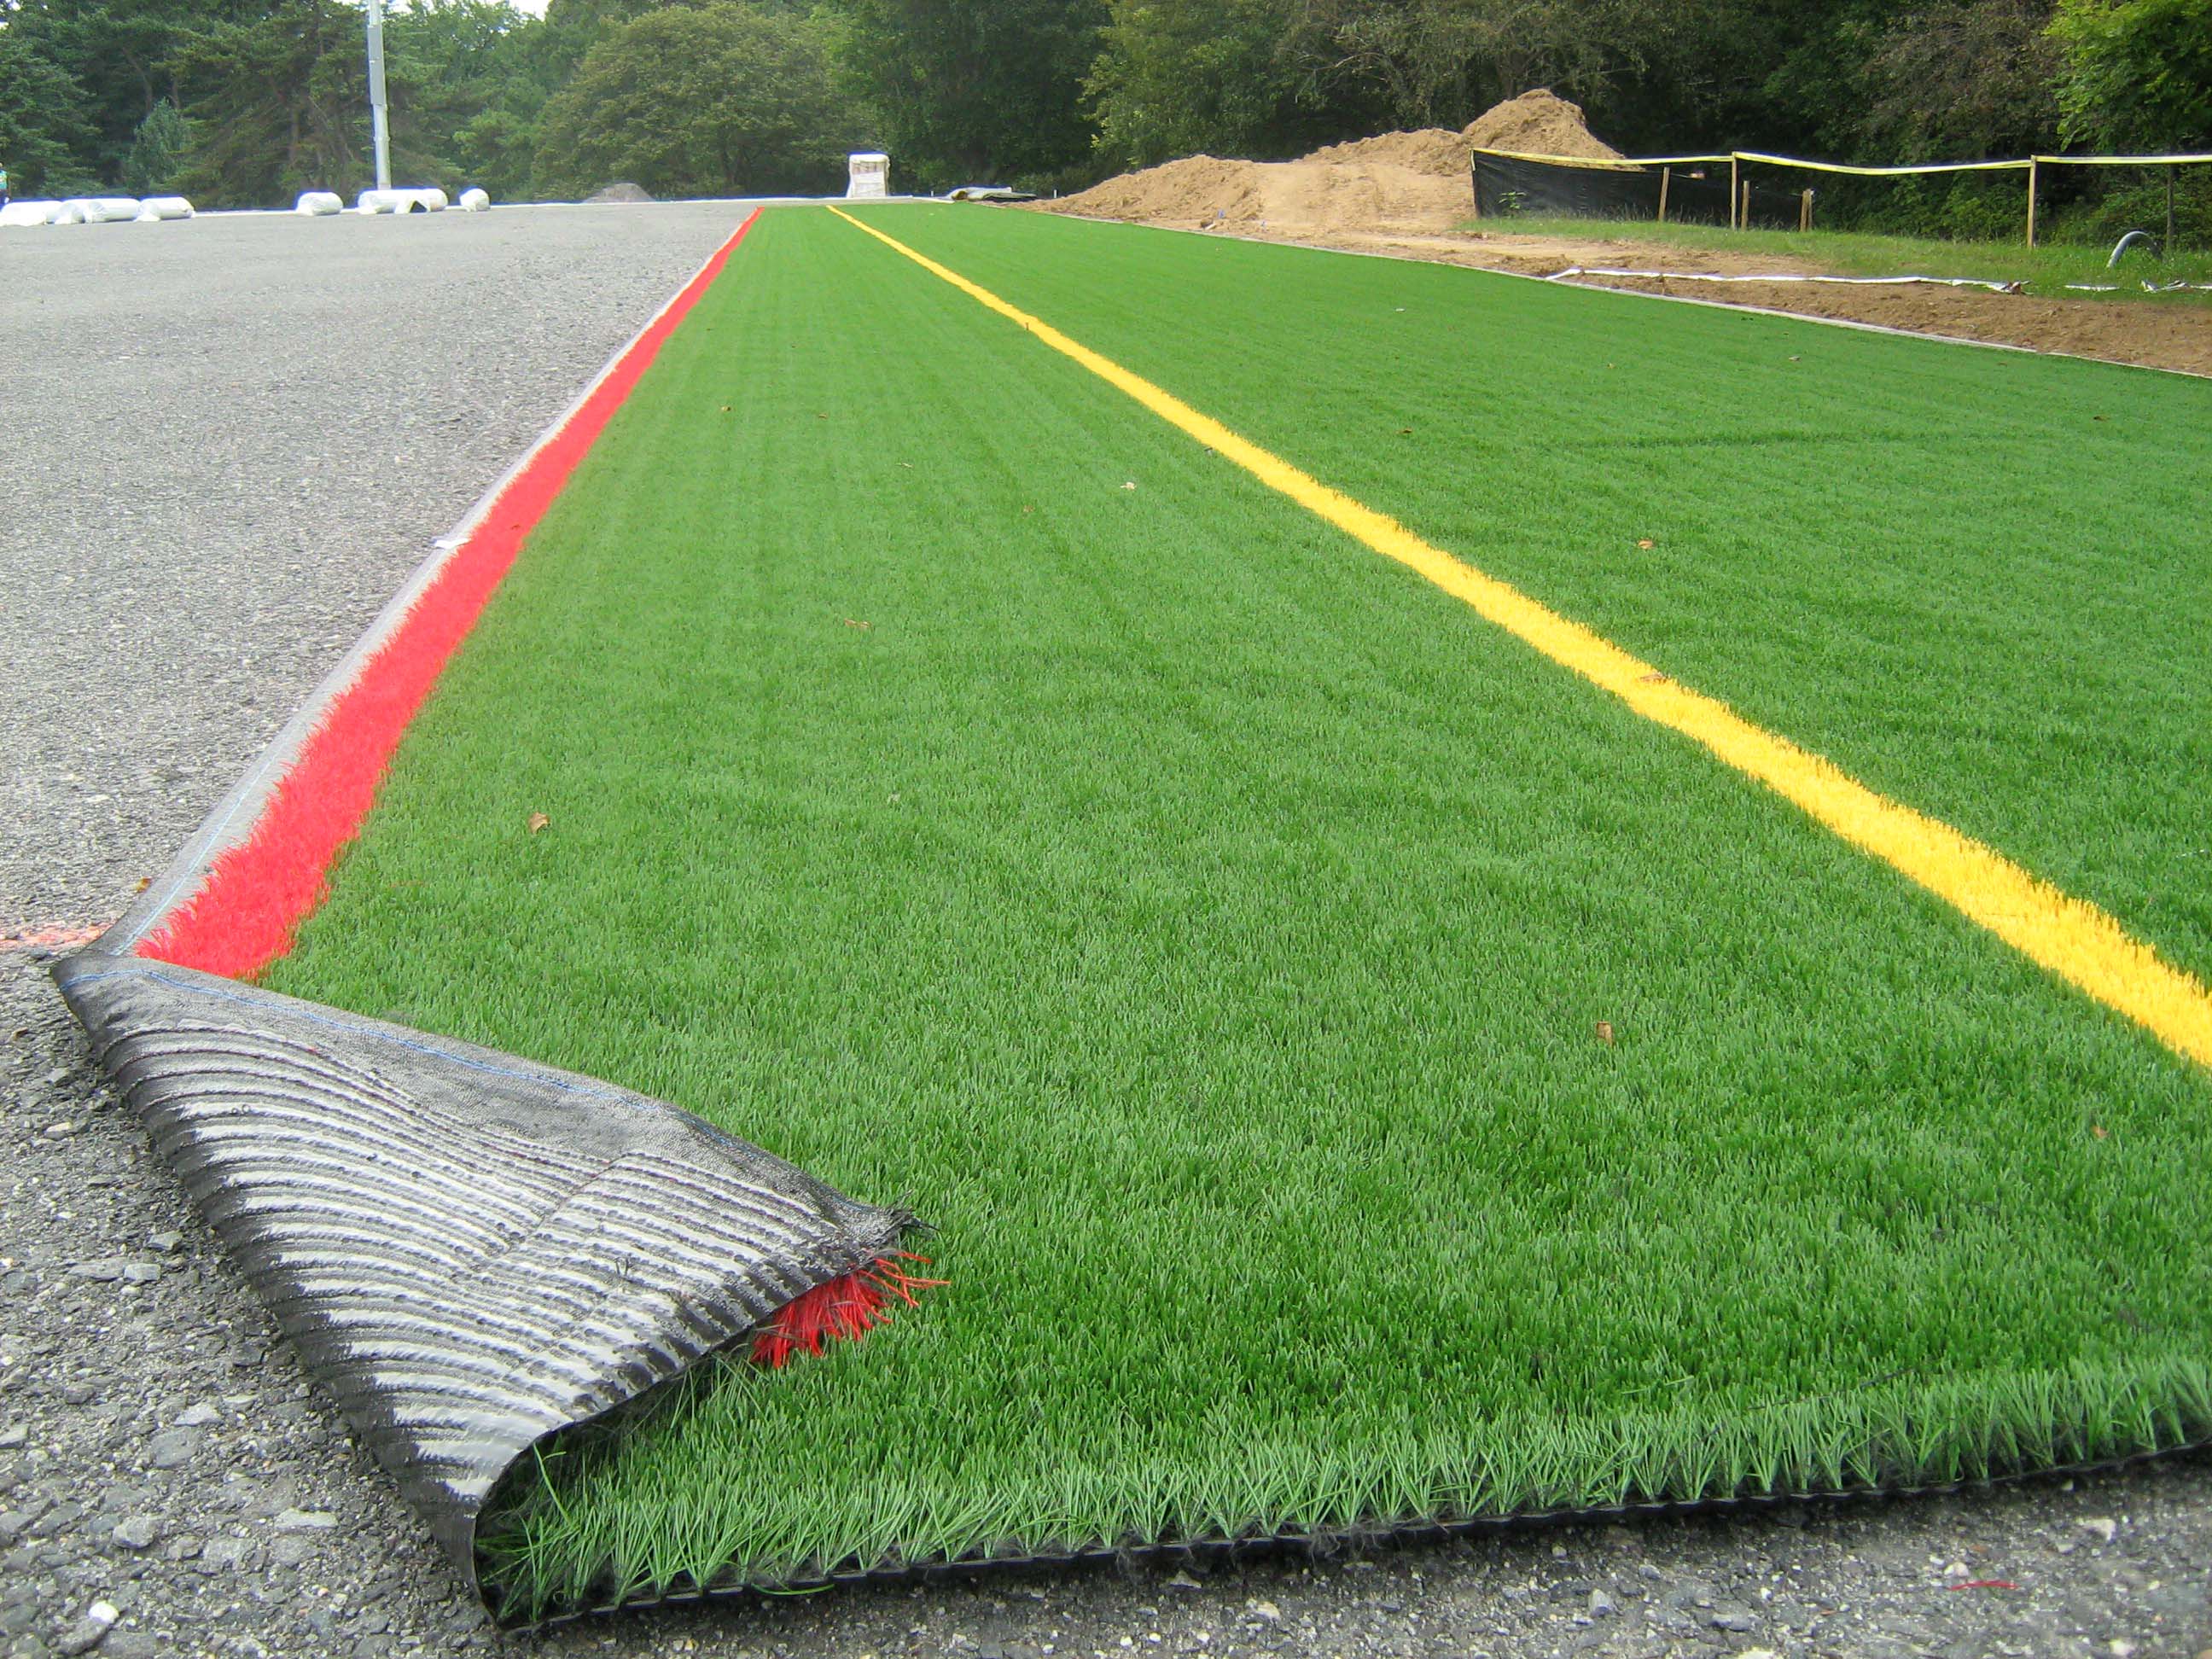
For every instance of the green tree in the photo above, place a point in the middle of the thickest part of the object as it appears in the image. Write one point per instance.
(468, 81)
(156, 152)
(44, 133)
(1179, 77)
(974, 91)
(122, 54)
(2135, 75)
(280, 104)
(1962, 80)
(1271, 77)
(725, 99)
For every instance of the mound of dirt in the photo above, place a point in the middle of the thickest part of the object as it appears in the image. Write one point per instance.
(1300, 200)
(622, 193)
(1437, 151)
(1396, 184)
(1194, 189)
(1539, 122)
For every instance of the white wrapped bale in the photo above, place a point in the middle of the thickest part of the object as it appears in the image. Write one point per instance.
(424, 199)
(107, 209)
(867, 175)
(315, 203)
(70, 212)
(29, 213)
(474, 201)
(163, 207)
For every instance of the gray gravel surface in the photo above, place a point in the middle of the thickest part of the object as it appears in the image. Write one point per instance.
(229, 441)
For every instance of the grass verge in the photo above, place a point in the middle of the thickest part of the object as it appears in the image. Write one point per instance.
(1361, 1074)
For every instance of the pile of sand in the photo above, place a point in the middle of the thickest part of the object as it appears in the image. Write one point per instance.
(1399, 184)
(1196, 188)
(1539, 122)
(624, 191)
(1437, 151)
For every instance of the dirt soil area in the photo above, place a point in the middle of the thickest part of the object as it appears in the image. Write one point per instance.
(1405, 195)
(1410, 182)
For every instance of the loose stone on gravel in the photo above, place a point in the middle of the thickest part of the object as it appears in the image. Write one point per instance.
(88, 1632)
(169, 1450)
(230, 1555)
(292, 1550)
(305, 1521)
(138, 1532)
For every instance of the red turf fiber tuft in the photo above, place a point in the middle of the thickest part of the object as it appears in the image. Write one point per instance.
(847, 1306)
(255, 897)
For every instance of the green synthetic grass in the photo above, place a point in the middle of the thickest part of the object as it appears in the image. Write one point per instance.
(1973, 578)
(1206, 924)
(2047, 269)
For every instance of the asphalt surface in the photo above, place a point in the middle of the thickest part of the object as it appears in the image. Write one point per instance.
(226, 443)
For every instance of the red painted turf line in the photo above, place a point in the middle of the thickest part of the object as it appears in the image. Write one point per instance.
(255, 896)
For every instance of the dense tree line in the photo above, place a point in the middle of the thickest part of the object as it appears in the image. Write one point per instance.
(243, 102)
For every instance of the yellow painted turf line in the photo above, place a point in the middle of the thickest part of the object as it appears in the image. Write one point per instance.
(2072, 937)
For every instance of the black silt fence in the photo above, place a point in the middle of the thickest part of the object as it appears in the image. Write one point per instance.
(1696, 195)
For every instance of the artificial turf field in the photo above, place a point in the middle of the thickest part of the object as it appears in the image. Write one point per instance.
(1210, 926)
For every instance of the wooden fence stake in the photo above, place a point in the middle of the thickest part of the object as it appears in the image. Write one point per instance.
(1732, 197)
(2031, 201)
(1665, 174)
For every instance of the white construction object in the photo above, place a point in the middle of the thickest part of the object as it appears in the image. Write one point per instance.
(474, 201)
(97, 210)
(868, 174)
(426, 199)
(29, 213)
(317, 203)
(154, 208)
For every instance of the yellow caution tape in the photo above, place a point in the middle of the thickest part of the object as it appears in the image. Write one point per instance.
(1882, 172)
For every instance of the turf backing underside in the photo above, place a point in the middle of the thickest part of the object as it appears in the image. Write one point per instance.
(1209, 925)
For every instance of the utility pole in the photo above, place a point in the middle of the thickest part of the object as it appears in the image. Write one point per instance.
(379, 122)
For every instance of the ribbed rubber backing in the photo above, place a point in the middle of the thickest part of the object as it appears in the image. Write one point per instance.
(471, 1251)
